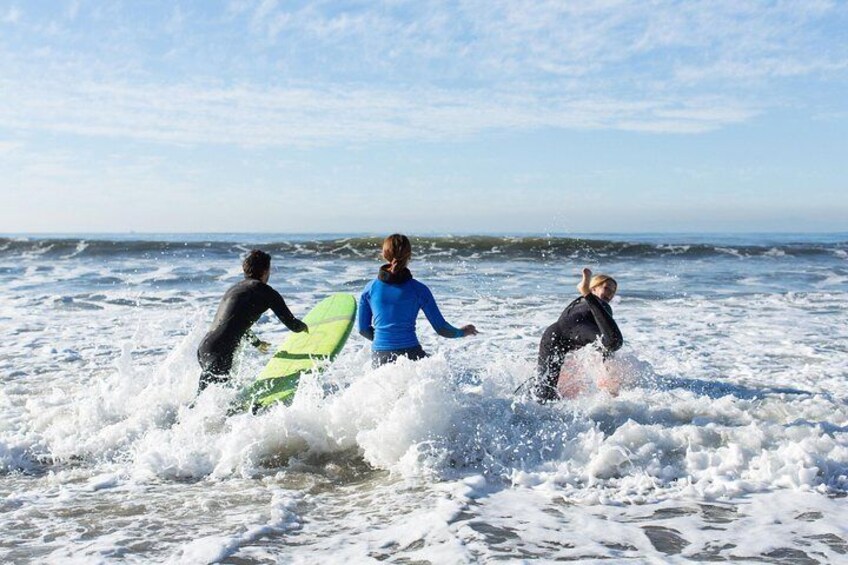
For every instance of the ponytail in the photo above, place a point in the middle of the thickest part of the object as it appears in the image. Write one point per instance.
(397, 251)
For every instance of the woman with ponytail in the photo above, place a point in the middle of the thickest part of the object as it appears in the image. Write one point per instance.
(389, 306)
(582, 322)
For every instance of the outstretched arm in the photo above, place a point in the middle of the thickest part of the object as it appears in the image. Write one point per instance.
(434, 316)
(278, 306)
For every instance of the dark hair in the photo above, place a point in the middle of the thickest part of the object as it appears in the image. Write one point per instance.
(397, 251)
(256, 264)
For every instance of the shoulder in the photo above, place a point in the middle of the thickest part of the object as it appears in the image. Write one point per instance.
(416, 284)
(263, 288)
(369, 286)
(579, 301)
(241, 286)
(420, 288)
(576, 306)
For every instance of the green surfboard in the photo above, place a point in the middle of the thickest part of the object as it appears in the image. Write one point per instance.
(329, 324)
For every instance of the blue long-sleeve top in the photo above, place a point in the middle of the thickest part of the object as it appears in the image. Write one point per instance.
(388, 309)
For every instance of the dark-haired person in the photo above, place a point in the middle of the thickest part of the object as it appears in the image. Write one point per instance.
(389, 306)
(240, 307)
(581, 323)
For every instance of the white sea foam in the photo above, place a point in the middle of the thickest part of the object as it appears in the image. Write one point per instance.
(212, 549)
(775, 252)
(82, 245)
(732, 415)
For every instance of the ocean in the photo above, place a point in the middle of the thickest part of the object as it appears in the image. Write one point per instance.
(727, 442)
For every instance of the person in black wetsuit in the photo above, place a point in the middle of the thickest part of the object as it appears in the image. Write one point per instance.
(580, 324)
(240, 307)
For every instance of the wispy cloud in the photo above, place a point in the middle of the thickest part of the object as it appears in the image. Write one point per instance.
(317, 73)
(503, 39)
(12, 16)
(314, 116)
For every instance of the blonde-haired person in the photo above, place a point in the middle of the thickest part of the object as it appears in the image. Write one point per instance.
(389, 306)
(581, 323)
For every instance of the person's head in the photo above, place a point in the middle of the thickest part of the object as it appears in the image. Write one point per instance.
(603, 286)
(257, 265)
(397, 251)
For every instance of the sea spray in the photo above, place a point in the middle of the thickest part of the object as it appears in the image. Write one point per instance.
(726, 441)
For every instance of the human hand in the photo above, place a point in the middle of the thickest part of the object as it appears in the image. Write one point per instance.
(302, 327)
(469, 330)
(583, 286)
(264, 347)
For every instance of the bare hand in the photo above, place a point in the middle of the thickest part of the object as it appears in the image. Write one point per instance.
(469, 330)
(583, 286)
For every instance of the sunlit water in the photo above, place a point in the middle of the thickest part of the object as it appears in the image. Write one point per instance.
(728, 442)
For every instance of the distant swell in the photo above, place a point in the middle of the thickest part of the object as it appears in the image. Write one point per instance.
(448, 247)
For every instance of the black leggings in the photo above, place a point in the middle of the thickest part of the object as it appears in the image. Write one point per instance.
(379, 358)
(214, 370)
(552, 351)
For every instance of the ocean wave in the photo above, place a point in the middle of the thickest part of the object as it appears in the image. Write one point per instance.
(438, 247)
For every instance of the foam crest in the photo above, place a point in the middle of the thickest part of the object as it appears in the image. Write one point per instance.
(440, 420)
(432, 247)
(106, 416)
(731, 412)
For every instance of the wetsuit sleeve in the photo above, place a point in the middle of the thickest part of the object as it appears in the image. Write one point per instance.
(434, 316)
(364, 316)
(278, 306)
(252, 338)
(611, 337)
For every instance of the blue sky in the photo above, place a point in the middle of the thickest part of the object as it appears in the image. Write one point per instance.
(462, 116)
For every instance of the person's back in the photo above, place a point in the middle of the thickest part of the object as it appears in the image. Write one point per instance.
(240, 308)
(578, 324)
(394, 305)
(389, 306)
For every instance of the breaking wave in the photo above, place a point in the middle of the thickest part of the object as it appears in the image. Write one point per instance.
(479, 247)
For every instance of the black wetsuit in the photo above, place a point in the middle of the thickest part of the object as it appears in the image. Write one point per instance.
(580, 324)
(241, 306)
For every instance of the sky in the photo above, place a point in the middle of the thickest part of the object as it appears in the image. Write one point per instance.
(464, 116)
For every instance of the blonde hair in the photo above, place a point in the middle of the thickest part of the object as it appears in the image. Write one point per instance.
(598, 280)
(397, 250)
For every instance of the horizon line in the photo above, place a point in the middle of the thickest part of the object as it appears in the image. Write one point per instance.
(425, 233)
